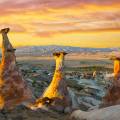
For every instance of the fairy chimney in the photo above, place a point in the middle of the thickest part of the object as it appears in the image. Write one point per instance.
(112, 96)
(116, 67)
(57, 87)
(13, 89)
(57, 93)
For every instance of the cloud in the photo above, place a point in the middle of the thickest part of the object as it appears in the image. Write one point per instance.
(48, 29)
(13, 27)
(50, 34)
(35, 19)
(8, 6)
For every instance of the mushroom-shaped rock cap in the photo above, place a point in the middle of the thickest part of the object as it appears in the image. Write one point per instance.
(58, 53)
(6, 45)
(116, 57)
(5, 30)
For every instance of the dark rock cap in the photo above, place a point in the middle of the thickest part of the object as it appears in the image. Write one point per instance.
(58, 53)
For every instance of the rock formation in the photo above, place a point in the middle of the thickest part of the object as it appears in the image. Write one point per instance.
(13, 89)
(56, 95)
(108, 113)
(116, 67)
(113, 94)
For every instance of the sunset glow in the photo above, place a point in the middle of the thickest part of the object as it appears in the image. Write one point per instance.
(88, 23)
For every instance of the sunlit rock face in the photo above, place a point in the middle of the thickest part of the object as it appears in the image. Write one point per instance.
(113, 94)
(117, 68)
(57, 93)
(13, 89)
(57, 87)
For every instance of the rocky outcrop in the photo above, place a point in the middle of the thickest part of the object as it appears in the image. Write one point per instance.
(109, 113)
(13, 89)
(56, 95)
(112, 96)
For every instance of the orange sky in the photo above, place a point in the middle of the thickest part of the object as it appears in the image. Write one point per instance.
(84, 23)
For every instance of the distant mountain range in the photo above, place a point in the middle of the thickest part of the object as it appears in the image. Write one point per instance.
(48, 50)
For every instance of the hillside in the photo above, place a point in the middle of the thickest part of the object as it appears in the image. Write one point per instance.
(48, 50)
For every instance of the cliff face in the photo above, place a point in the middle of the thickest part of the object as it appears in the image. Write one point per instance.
(13, 89)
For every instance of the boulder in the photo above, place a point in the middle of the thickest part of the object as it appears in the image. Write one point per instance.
(108, 113)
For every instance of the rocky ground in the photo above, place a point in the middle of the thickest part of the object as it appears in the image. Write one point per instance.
(22, 113)
(86, 89)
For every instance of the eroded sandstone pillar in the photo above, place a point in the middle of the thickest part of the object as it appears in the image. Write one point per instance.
(13, 89)
(112, 96)
(57, 87)
(56, 93)
(117, 68)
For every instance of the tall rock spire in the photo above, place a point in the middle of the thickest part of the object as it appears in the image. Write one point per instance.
(13, 89)
(57, 87)
(117, 68)
(57, 93)
(112, 96)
